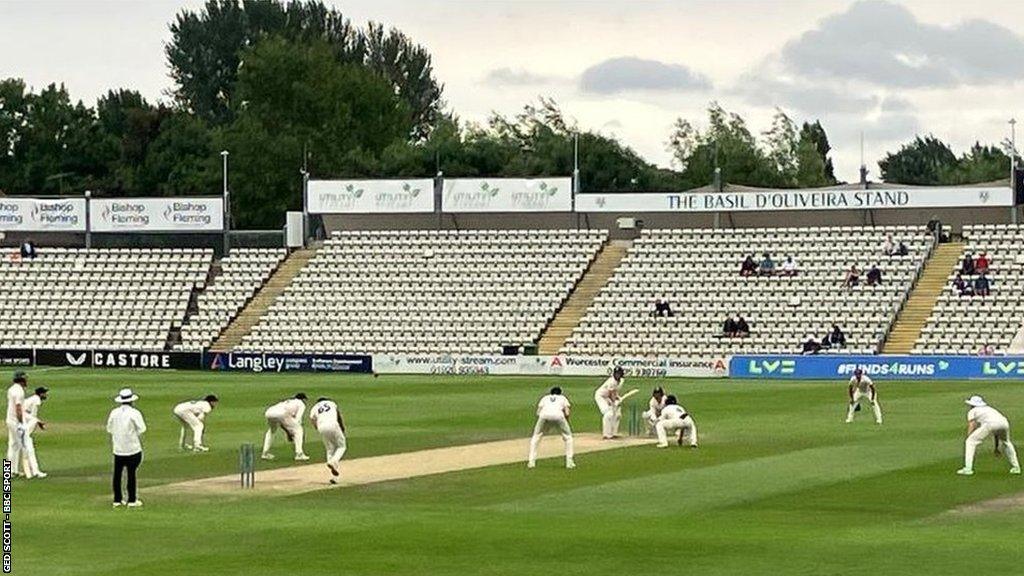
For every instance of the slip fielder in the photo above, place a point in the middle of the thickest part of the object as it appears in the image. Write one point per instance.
(607, 399)
(674, 418)
(983, 420)
(862, 387)
(552, 412)
(192, 416)
(16, 420)
(287, 415)
(32, 421)
(326, 418)
(654, 407)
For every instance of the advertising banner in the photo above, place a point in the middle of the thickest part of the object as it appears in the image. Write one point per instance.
(14, 357)
(546, 365)
(878, 367)
(507, 195)
(157, 214)
(42, 215)
(370, 196)
(74, 358)
(813, 199)
(273, 362)
(147, 360)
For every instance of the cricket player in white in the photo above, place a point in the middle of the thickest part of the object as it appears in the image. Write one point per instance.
(607, 399)
(30, 411)
(674, 418)
(983, 420)
(861, 387)
(654, 407)
(287, 415)
(552, 412)
(192, 416)
(16, 420)
(326, 418)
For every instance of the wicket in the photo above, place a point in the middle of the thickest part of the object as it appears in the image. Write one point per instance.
(247, 465)
(634, 420)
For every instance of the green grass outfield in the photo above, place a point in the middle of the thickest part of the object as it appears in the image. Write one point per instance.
(780, 484)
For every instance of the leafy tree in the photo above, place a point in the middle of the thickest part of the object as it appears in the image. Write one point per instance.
(923, 161)
(815, 134)
(727, 143)
(207, 51)
(979, 164)
(181, 161)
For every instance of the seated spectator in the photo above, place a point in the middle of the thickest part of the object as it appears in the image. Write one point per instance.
(835, 338)
(987, 350)
(902, 249)
(963, 287)
(749, 267)
(811, 346)
(874, 276)
(982, 286)
(28, 249)
(661, 308)
(788, 267)
(852, 277)
(889, 246)
(729, 328)
(981, 264)
(967, 266)
(742, 328)
(767, 267)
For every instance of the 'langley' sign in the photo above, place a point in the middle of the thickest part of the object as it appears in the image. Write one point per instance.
(816, 199)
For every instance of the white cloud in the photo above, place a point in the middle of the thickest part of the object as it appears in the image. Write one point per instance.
(630, 74)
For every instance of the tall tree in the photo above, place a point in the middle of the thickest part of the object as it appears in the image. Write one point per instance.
(207, 51)
(923, 161)
(815, 133)
(727, 144)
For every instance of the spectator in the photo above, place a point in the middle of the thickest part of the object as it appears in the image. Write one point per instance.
(749, 267)
(889, 246)
(987, 350)
(902, 249)
(662, 308)
(852, 277)
(835, 338)
(767, 267)
(28, 249)
(729, 328)
(982, 286)
(788, 267)
(742, 328)
(981, 264)
(811, 346)
(967, 266)
(963, 287)
(874, 275)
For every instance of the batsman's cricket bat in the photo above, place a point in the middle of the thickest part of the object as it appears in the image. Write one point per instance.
(628, 394)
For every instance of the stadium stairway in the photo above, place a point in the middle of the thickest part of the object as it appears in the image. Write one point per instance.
(261, 301)
(914, 315)
(582, 296)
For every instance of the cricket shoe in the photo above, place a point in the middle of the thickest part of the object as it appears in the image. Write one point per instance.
(202, 449)
(44, 475)
(531, 464)
(118, 504)
(334, 471)
(662, 445)
(136, 504)
(1015, 470)
(570, 465)
(965, 472)
(301, 457)
(267, 456)
(186, 447)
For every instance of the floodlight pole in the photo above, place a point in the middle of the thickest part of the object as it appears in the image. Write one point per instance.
(1013, 169)
(88, 224)
(227, 201)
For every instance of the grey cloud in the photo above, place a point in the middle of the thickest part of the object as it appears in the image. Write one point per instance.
(808, 97)
(884, 44)
(629, 74)
(506, 76)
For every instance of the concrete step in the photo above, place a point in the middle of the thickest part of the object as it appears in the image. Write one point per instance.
(919, 306)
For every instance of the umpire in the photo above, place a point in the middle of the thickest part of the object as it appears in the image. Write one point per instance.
(126, 426)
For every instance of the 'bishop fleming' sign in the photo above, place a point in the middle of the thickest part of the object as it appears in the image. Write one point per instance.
(814, 199)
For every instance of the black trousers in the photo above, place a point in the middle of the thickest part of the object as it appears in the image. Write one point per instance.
(131, 463)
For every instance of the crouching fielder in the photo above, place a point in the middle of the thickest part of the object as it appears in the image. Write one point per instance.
(654, 407)
(552, 412)
(286, 414)
(862, 387)
(675, 419)
(192, 415)
(607, 399)
(326, 418)
(983, 420)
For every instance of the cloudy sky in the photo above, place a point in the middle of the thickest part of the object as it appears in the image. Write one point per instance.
(628, 68)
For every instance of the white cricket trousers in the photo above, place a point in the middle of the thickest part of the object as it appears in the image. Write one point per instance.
(551, 423)
(291, 426)
(857, 396)
(15, 441)
(673, 425)
(1002, 432)
(28, 453)
(610, 415)
(334, 443)
(650, 418)
(190, 421)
